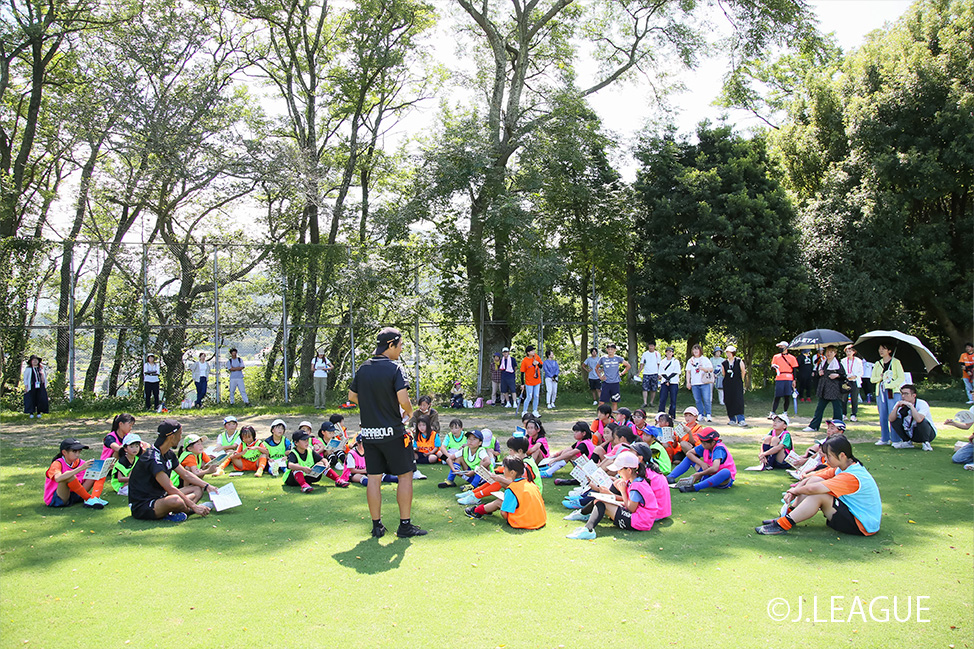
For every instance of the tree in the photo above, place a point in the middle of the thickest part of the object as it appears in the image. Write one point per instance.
(723, 251)
(526, 67)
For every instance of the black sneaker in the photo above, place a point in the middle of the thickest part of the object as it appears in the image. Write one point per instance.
(469, 511)
(566, 482)
(406, 531)
(686, 488)
(446, 484)
(670, 480)
(378, 531)
(771, 529)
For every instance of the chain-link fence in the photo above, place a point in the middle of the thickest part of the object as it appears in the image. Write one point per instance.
(99, 308)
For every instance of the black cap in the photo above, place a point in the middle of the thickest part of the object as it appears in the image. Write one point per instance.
(168, 427)
(297, 436)
(386, 338)
(327, 426)
(71, 444)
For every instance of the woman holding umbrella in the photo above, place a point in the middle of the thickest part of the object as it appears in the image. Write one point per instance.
(888, 377)
(829, 390)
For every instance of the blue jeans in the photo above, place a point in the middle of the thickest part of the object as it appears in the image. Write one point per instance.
(668, 392)
(703, 397)
(969, 388)
(965, 455)
(531, 394)
(200, 391)
(884, 405)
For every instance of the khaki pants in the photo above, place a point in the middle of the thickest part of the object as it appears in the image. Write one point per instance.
(321, 385)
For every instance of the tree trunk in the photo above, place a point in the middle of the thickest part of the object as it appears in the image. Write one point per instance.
(632, 341)
(586, 282)
(117, 364)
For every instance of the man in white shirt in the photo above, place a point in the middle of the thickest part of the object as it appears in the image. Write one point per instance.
(910, 420)
(649, 368)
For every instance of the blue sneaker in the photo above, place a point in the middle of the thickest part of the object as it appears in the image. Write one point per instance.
(571, 503)
(582, 534)
(576, 515)
(176, 517)
(95, 503)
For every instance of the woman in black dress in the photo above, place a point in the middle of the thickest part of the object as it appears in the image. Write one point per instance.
(35, 388)
(734, 371)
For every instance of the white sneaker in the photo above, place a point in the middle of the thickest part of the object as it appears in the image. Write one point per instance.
(418, 476)
(32, 416)
(853, 418)
(771, 415)
(902, 445)
(927, 447)
(576, 515)
(970, 401)
(536, 414)
(881, 443)
(809, 429)
(969, 467)
(582, 534)
(595, 403)
(709, 418)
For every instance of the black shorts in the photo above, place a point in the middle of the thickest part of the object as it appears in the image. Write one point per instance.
(389, 456)
(507, 383)
(594, 384)
(610, 393)
(424, 458)
(623, 518)
(843, 520)
(144, 510)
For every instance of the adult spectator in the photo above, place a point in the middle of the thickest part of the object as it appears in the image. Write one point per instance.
(201, 374)
(888, 377)
(717, 360)
(36, 401)
(321, 366)
(551, 372)
(531, 369)
(911, 420)
(150, 381)
(611, 369)
(594, 383)
(670, 371)
(151, 492)
(381, 391)
(700, 376)
(967, 370)
(853, 367)
(649, 371)
(235, 365)
(425, 407)
(784, 365)
(965, 454)
(508, 375)
(735, 371)
(867, 385)
(495, 378)
(806, 368)
(830, 379)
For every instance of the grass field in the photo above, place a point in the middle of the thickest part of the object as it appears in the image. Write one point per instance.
(295, 570)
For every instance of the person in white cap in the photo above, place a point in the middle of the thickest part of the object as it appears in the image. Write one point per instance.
(508, 374)
(784, 365)
(229, 438)
(636, 506)
(776, 445)
(150, 379)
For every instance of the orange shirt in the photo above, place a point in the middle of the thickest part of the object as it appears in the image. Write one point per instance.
(532, 372)
(965, 360)
(786, 365)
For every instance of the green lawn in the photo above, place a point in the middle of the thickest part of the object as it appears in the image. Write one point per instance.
(289, 569)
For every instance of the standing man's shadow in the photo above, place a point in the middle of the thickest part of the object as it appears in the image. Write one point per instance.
(370, 557)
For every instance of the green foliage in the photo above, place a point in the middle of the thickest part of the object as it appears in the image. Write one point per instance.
(723, 251)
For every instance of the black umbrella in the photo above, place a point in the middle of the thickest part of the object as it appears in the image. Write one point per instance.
(818, 338)
(913, 355)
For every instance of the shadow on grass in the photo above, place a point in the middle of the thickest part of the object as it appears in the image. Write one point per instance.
(373, 556)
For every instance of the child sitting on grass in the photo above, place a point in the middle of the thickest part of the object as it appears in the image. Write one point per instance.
(522, 507)
(833, 427)
(299, 462)
(250, 454)
(474, 455)
(776, 445)
(194, 459)
(845, 493)
(518, 447)
(229, 437)
(583, 447)
(714, 465)
(453, 444)
(277, 447)
(456, 396)
(329, 434)
(537, 440)
(426, 442)
(128, 455)
(635, 506)
(602, 419)
(355, 466)
(61, 485)
(649, 436)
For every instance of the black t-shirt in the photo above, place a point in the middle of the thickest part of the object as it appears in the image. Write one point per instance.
(293, 457)
(376, 383)
(142, 481)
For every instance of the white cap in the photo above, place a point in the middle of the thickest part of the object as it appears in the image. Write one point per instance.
(279, 422)
(131, 438)
(624, 460)
(783, 417)
(506, 349)
(782, 344)
(692, 410)
(229, 418)
(303, 423)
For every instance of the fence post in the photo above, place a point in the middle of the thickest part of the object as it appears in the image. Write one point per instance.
(71, 326)
(595, 314)
(480, 352)
(351, 322)
(145, 299)
(416, 355)
(216, 324)
(284, 333)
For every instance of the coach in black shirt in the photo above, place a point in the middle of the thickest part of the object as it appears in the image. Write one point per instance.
(151, 492)
(381, 392)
